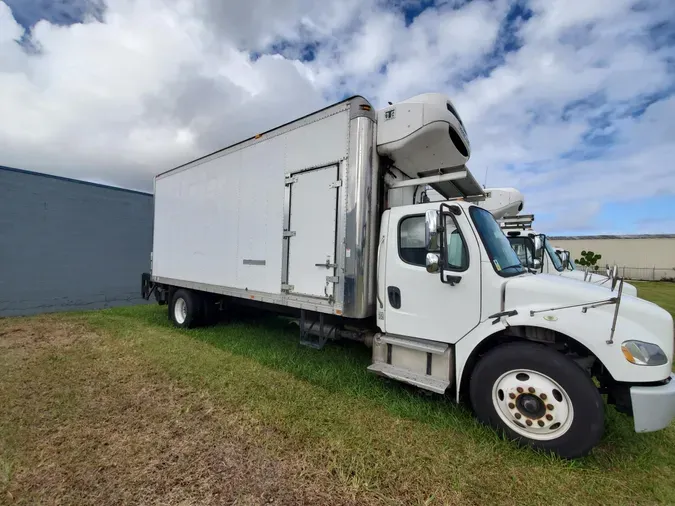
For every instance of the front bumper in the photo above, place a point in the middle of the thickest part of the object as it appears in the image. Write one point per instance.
(653, 406)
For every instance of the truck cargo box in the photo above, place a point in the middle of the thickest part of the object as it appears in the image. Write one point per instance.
(275, 218)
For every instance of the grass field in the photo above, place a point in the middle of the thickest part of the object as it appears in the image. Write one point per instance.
(661, 293)
(117, 407)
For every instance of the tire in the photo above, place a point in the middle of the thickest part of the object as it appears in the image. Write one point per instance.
(501, 398)
(185, 309)
(210, 311)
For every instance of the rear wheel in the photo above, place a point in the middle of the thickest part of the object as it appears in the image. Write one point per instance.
(184, 309)
(538, 397)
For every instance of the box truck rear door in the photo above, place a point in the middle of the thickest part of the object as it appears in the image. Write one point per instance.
(311, 251)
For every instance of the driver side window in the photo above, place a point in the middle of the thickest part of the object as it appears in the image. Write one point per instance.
(456, 256)
(524, 249)
(412, 247)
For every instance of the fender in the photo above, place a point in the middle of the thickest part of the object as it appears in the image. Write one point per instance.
(465, 346)
(591, 329)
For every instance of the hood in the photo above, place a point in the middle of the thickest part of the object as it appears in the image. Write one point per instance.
(638, 318)
(600, 280)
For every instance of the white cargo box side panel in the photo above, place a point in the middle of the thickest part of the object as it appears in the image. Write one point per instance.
(318, 143)
(219, 221)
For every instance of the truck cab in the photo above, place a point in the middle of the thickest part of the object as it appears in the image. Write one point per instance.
(458, 311)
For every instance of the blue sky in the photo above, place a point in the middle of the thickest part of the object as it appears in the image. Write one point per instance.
(570, 101)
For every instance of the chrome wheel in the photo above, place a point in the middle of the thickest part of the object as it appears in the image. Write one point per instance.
(532, 404)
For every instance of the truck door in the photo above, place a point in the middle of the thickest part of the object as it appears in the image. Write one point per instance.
(312, 225)
(417, 303)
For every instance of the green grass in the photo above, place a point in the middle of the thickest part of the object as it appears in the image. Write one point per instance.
(661, 293)
(381, 441)
(383, 437)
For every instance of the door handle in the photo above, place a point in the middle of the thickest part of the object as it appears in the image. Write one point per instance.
(394, 295)
(327, 265)
(452, 280)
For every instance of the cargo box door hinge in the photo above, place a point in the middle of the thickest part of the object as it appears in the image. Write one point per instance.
(290, 180)
(335, 184)
(289, 233)
(286, 287)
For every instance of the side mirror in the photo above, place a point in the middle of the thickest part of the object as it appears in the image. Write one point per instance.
(565, 256)
(615, 276)
(433, 263)
(538, 245)
(431, 221)
(536, 264)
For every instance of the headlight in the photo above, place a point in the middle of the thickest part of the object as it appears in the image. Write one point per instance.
(639, 353)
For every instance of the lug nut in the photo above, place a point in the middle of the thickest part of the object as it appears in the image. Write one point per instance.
(512, 395)
(541, 423)
(549, 407)
(531, 390)
(528, 422)
(520, 390)
(511, 405)
(549, 417)
(543, 397)
(518, 415)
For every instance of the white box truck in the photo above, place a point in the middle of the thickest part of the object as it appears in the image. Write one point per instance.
(317, 219)
(536, 251)
(533, 248)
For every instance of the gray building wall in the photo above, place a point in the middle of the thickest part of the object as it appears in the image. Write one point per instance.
(68, 244)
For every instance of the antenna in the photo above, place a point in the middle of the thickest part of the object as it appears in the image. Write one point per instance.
(485, 180)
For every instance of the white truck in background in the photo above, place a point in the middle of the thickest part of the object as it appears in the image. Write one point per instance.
(318, 219)
(536, 251)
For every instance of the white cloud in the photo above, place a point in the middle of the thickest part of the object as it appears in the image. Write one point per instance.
(148, 89)
(163, 81)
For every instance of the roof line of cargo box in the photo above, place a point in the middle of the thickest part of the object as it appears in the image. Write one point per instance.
(264, 133)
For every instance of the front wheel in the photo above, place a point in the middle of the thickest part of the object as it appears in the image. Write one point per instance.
(538, 397)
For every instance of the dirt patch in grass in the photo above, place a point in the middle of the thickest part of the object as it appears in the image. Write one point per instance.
(82, 422)
(38, 334)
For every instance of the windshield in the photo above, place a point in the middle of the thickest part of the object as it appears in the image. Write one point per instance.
(504, 259)
(555, 259)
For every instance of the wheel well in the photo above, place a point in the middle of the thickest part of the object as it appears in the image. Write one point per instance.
(556, 340)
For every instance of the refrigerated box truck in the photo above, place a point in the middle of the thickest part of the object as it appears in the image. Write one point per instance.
(533, 248)
(319, 220)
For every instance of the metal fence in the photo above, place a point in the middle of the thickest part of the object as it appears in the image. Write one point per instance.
(643, 273)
